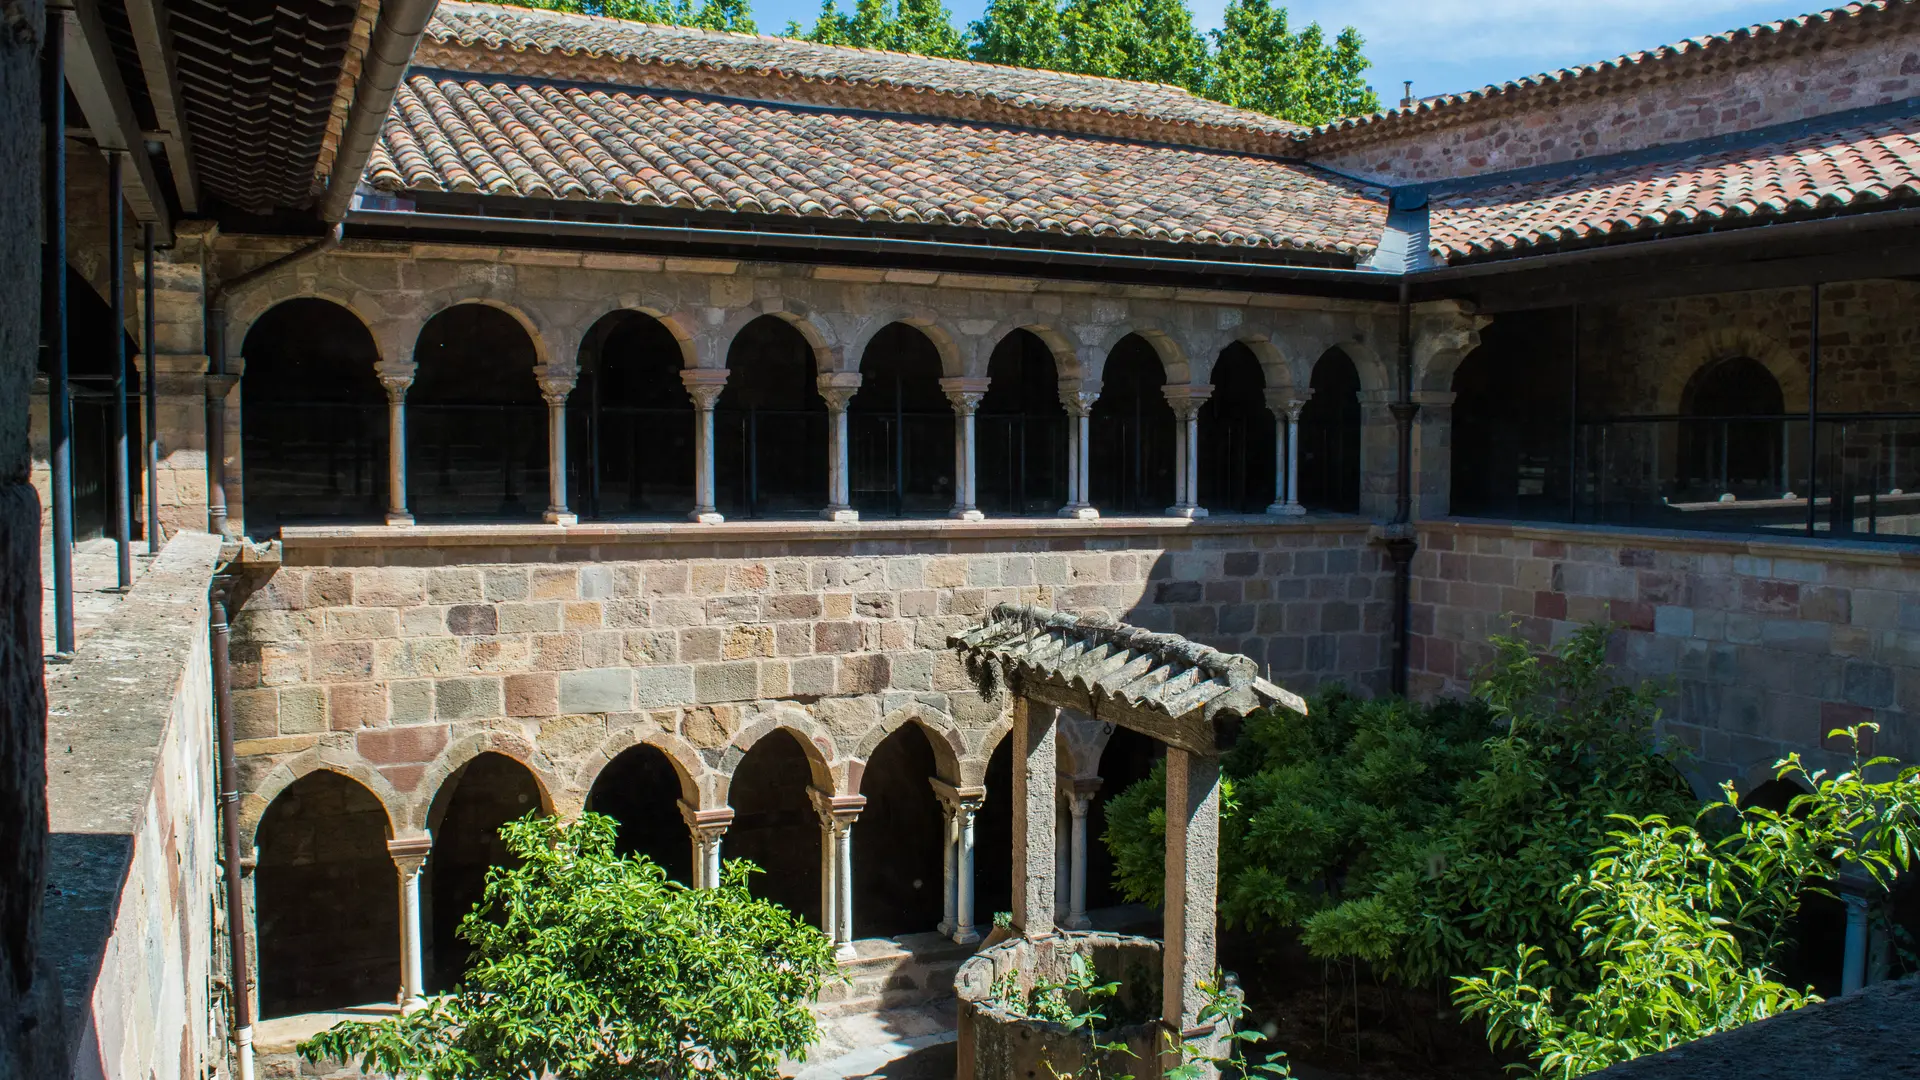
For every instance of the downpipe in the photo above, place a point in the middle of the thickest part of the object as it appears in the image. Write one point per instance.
(240, 1005)
(1400, 542)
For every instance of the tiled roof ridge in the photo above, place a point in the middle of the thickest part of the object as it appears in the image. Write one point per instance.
(1180, 117)
(1819, 29)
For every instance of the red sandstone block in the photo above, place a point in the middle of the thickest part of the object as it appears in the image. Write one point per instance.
(1636, 616)
(403, 745)
(1550, 605)
(403, 777)
(1549, 549)
(351, 706)
(1770, 597)
(533, 695)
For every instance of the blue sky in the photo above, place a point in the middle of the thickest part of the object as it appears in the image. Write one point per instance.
(1453, 45)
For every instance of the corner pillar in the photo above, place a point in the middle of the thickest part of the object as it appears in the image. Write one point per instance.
(1192, 886)
(1077, 397)
(965, 394)
(1035, 803)
(704, 386)
(838, 389)
(409, 859)
(1432, 453)
(705, 828)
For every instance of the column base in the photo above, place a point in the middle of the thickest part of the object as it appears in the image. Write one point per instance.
(1287, 510)
(560, 517)
(1083, 512)
(966, 935)
(944, 929)
(844, 952)
(840, 513)
(707, 516)
(966, 514)
(1192, 513)
(1076, 922)
(399, 517)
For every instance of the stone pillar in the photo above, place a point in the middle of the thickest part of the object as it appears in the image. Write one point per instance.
(1192, 885)
(1035, 783)
(1186, 402)
(1379, 454)
(705, 828)
(704, 386)
(1853, 957)
(960, 804)
(1079, 800)
(1286, 406)
(1432, 453)
(397, 383)
(554, 388)
(409, 858)
(838, 389)
(1078, 397)
(837, 815)
(965, 394)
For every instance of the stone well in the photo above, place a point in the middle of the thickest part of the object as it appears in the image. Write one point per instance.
(996, 1043)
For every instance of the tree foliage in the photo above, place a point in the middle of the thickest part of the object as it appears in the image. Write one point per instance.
(924, 27)
(1260, 64)
(733, 15)
(591, 966)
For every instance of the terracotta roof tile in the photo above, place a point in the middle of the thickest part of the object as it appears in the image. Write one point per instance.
(1849, 168)
(516, 137)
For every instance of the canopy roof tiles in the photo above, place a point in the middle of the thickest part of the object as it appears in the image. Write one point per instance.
(506, 136)
(1852, 168)
(1171, 688)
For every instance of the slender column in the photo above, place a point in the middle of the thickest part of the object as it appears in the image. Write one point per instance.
(837, 815)
(1286, 411)
(965, 394)
(1853, 962)
(1078, 397)
(554, 388)
(704, 829)
(1062, 854)
(965, 932)
(397, 383)
(1035, 757)
(704, 386)
(409, 858)
(1079, 800)
(960, 805)
(950, 867)
(1192, 884)
(838, 389)
(1186, 402)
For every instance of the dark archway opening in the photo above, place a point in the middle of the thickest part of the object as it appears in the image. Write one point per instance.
(326, 900)
(1132, 433)
(1020, 431)
(1330, 437)
(1511, 435)
(476, 424)
(90, 372)
(313, 419)
(1126, 761)
(775, 826)
(993, 840)
(1723, 454)
(1818, 932)
(641, 790)
(770, 426)
(630, 423)
(1237, 437)
(469, 809)
(898, 867)
(900, 430)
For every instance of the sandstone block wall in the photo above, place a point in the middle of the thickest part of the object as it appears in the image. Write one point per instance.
(1767, 646)
(397, 662)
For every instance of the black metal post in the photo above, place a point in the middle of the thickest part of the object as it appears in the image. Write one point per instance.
(117, 305)
(1573, 421)
(1813, 406)
(53, 325)
(151, 425)
(1401, 543)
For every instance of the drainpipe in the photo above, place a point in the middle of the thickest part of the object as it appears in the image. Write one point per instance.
(219, 382)
(402, 22)
(239, 1001)
(1400, 542)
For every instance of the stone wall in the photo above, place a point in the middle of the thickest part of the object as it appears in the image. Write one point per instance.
(132, 885)
(1768, 645)
(396, 655)
(1726, 88)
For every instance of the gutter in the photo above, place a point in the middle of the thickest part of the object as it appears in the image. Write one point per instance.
(402, 22)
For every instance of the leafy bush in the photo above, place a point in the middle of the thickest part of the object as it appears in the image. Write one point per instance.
(590, 966)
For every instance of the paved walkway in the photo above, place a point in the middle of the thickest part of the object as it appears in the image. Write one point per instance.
(96, 572)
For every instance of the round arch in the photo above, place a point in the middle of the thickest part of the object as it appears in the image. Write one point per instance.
(1131, 431)
(484, 793)
(1238, 435)
(1059, 346)
(444, 769)
(822, 344)
(695, 782)
(945, 342)
(1173, 360)
(770, 422)
(943, 735)
(816, 744)
(775, 823)
(1330, 427)
(1725, 343)
(637, 789)
(254, 804)
(630, 420)
(900, 427)
(898, 868)
(476, 422)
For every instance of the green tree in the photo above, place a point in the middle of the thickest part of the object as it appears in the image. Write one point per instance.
(923, 27)
(710, 15)
(590, 966)
(1018, 33)
(1260, 64)
(1140, 40)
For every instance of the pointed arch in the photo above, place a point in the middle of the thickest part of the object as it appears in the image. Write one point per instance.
(943, 735)
(815, 742)
(697, 783)
(254, 804)
(443, 771)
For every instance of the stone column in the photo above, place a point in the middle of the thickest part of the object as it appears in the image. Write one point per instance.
(1035, 783)
(554, 388)
(960, 805)
(1078, 397)
(838, 389)
(965, 394)
(397, 383)
(409, 858)
(704, 829)
(1286, 406)
(1853, 957)
(1186, 402)
(1079, 800)
(837, 815)
(1192, 885)
(704, 386)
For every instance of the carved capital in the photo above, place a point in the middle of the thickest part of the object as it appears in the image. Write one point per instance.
(1078, 396)
(1288, 403)
(964, 393)
(706, 825)
(410, 853)
(1186, 400)
(961, 802)
(837, 388)
(396, 384)
(837, 812)
(704, 386)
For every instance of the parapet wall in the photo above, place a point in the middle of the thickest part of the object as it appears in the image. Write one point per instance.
(132, 879)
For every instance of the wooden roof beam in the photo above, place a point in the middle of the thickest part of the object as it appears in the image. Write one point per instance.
(94, 78)
(149, 21)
